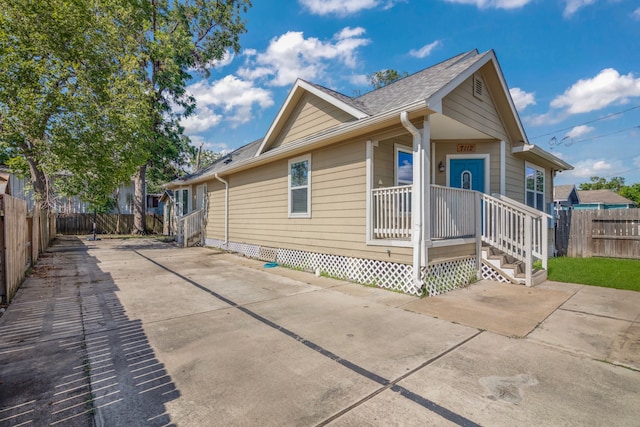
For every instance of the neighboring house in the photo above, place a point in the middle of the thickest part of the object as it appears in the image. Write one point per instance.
(565, 196)
(18, 187)
(602, 199)
(15, 186)
(391, 188)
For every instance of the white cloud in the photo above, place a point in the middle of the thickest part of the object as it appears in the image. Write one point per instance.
(494, 4)
(291, 56)
(579, 131)
(203, 119)
(230, 99)
(425, 50)
(344, 7)
(572, 6)
(359, 80)
(636, 161)
(636, 14)
(594, 167)
(522, 99)
(608, 87)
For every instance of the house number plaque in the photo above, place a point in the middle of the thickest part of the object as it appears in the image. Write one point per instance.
(466, 148)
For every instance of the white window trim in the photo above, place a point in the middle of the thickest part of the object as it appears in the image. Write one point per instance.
(544, 186)
(307, 214)
(181, 198)
(399, 148)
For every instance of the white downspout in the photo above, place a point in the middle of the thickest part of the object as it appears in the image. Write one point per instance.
(416, 203)
(226, 209)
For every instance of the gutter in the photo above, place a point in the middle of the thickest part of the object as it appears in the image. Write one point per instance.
(226, 209)
(416, 208)
(306, 144)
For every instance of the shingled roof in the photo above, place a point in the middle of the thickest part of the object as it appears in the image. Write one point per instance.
(418, 86)
(606, 197)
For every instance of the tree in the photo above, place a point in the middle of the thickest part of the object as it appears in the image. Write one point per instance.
(384, 77)
(631, 192)
(616, 184)
(180, 36)
(598, 183)
(71, 101)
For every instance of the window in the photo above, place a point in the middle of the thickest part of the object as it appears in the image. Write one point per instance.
(466, 180)
(404, 165)
(300, 187)
(184, 200)
(534, 186)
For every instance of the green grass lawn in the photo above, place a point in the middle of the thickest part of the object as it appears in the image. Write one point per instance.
(606, 272)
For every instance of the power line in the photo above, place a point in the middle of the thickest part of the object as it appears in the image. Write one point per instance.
(567, 142)
(608, 116)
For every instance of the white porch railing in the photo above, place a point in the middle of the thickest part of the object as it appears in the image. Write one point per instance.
(392, 213)
(191, 225)
(516, 229)
(453, 212)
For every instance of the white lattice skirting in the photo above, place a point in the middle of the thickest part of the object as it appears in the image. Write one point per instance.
(490, 273)
(437, 278)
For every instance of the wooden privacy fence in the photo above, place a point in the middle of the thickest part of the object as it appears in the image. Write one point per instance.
(611, 233)
(23, 237)
(105, 223)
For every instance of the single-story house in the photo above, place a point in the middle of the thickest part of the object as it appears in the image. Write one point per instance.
(420, 186)
(568, 197)
(565, 196)
(602, 199)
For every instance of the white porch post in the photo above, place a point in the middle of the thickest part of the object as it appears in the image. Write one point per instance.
(420, 203)
(368, 188)
(426, 190)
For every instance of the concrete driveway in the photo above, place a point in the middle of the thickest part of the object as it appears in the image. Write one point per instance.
(135, 332)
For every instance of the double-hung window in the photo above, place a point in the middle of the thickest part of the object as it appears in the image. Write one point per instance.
(404, 165)
(403, 176)
(300, 187)
(534, 186)
(184, 201)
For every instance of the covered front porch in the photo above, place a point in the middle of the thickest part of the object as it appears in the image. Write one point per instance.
(425, 193)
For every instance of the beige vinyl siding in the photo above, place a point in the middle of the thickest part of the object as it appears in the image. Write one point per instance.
(514, 178)
(479, 113)
(384, 161)
(258, 207)
(215, 210)
(310, 115)
(444, 148)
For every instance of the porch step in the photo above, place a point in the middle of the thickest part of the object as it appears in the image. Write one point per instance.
(509, 267)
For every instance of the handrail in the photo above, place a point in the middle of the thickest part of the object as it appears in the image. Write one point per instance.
(190, 225)
(521, 206)
(515, 229)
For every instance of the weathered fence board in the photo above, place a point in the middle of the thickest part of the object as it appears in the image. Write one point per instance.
(105, 223)
(23, 237)
(611, 233)
(15, 244)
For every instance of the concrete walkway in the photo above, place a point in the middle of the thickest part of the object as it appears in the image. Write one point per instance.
(135, 332)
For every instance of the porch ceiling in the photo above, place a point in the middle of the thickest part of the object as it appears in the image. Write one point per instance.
(443, 127)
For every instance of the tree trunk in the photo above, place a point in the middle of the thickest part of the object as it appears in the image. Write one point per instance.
(39, 182)
(139, 202)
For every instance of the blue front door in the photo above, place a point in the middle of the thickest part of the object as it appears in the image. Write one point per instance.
(467, 174)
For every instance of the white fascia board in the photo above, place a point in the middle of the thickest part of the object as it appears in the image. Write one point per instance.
(486, 57)
(309, 143)
(545, 155)
(297, 87)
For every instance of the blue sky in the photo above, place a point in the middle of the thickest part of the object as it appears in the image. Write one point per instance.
(573, 67)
